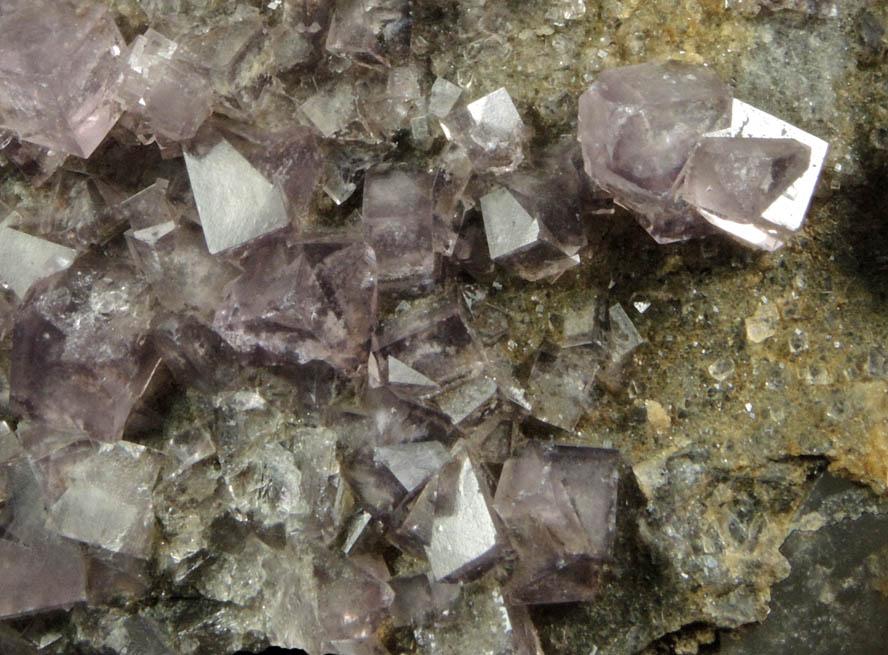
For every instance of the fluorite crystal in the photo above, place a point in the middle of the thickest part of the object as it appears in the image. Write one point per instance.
(25, 259)
(397, 216)
(164, 89)
(80, 356)
(369, 30)
(294, 304)
(559, 506)
(490, 130)
(236, 202)
(59, 62)
(670, 144)
(638, 125)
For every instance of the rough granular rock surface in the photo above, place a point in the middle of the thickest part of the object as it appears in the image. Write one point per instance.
(245, 402)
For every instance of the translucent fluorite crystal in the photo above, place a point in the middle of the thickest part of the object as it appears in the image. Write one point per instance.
(457, 527)
(369, 30)
(295, 304)
(490, 130)
(107, 498)
(559, 506)
(164, 89)
(81, 358)
(740, 177)
(236, 202)
(25, 259)
(58, 65)
(637, 127)
(397, 216)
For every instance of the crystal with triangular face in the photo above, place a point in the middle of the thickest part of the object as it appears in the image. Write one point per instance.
(637, 127)
(740, 178)
(491, 132)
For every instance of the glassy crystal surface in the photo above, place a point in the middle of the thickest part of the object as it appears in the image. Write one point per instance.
(331, 111)
(462, 535)
(25, 259)
(638, 125)
(166, 91)
(295, 304)
(786, 213)
(559, 506)
(80, 356)
(412, 463)
(58, 65)
(491, 131)
(237, 203)
(369, 30)
(397, 216)
(107, 501)
(741, 177)
(532, 226)
(443, 97)
(34, 161)
(561, 384)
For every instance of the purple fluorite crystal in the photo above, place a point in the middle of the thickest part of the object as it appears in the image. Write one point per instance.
(397, 215)
(58, 64)
(295, 304)
(164, 89)
(559, 505)
(81, 357)
(637, 127)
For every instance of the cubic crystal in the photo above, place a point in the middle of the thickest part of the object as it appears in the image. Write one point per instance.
(491, 131)
(397, 215)
(637, 127)
(59, 62)
(168, 92)
(463, 537)
(559, 506)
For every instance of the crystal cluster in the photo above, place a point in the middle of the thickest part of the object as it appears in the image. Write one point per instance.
(263, 379)
(669, 143)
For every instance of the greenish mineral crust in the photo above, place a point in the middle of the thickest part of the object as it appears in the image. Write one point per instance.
(763, 377)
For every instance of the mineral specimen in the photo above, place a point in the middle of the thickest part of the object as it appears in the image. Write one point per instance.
(642, 129)
(638, 125)
(559, 505)
(25, 259)
(165, 90)
(490, 130)
(60, 62)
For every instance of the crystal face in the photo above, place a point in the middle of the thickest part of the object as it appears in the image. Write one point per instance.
(25, 259)
(490, 130)
(159, 85)
(58, 65)
(559, 505)
(236, 202)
